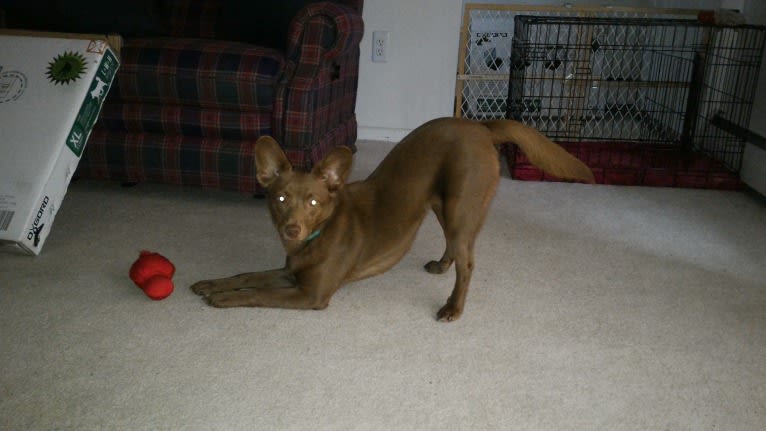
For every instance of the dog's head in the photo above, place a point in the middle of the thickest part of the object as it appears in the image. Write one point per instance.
(300, 202)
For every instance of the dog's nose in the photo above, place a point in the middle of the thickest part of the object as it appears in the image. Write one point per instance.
(292, 231)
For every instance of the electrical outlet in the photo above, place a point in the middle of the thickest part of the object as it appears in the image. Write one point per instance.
(379, 46)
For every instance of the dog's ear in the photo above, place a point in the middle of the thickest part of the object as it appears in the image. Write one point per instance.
(334, 169)
(270, 161)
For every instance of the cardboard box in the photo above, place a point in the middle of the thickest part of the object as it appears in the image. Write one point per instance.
(52, 87)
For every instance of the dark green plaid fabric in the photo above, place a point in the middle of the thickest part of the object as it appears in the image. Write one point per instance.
(323, 77)
(196, 72)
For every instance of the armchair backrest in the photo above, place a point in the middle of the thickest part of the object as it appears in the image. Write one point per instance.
(261, 22)
(354, 4)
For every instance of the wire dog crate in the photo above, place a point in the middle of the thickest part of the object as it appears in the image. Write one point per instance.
(641, 101)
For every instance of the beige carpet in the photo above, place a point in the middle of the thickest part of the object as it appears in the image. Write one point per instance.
(592, 308)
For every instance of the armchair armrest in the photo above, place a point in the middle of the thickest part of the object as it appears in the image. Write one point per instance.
(303, 39)
(317, 93)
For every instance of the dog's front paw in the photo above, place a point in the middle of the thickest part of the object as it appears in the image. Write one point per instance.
(204, 288)
(226, 299)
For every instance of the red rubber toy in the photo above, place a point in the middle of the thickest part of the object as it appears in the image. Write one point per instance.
(152, 272)
(158, 287)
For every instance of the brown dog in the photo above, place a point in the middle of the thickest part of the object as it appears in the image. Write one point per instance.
(335, 232)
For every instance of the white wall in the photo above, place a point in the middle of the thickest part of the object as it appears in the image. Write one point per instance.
(418, 81)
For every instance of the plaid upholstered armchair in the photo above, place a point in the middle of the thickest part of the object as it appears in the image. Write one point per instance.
(201, 80)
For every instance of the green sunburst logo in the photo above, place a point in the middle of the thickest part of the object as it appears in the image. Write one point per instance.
(65, 68)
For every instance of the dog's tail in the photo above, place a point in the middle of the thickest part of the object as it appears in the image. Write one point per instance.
(541, 151)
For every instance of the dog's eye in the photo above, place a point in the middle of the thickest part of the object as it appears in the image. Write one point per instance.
(313, 202)
(281, 198)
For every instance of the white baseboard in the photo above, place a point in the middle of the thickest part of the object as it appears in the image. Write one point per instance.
(381, 134)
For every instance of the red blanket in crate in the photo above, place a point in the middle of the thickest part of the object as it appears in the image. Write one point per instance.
(635, 164)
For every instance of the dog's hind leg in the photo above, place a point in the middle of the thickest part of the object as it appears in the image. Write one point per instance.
(460, 232)
(463, 252)
(464, 210)
(442, 265)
